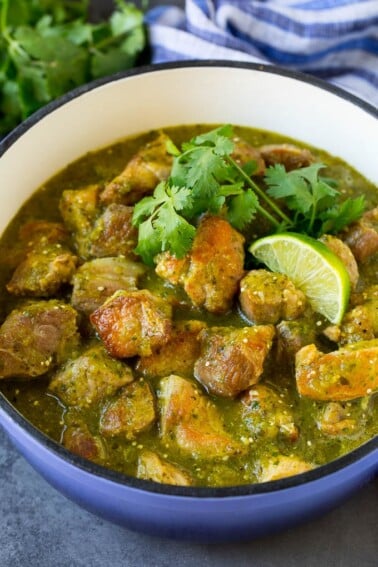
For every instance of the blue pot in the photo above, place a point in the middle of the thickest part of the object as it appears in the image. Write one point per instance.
(207, 515)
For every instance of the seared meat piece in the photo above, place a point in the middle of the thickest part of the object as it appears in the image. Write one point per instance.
(88, 379)
(268, 297)
(37, 337)
(171, 268)
(79, 440)
(189, 418)
(282, 467)
(130, 413)
(348, 373)
(369, 294)
(290, 156)
(244, 153)
(79, 208)
(44, 270)
(143, 172)
(211, 273)
(335, 420)
(232, 359)
(362, 236)
(96, 280)
(343, 251)
(133, 323)
(40, 232)
(266, 414)
(32, 235)
(153, 467)
(178, 355)
(292, 336)
(113, 233)
(360, 324)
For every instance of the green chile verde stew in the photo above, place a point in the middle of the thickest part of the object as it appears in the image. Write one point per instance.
(140, 332)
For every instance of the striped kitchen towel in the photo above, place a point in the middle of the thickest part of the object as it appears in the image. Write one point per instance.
(336, 40)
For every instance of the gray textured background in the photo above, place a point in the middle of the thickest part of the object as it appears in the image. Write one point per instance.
(41, 528)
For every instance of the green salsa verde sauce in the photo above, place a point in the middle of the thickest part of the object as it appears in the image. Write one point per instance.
(47, 413)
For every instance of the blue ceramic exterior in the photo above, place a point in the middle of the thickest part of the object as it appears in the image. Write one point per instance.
(196, 514)
(201, 515)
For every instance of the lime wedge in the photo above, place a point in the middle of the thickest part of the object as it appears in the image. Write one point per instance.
(312, 267)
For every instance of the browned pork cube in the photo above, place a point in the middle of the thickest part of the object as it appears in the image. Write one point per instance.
(343, 251)
(36, 232)
(335, 420)
(359, 324)
(43, 272)
(113, 233)
(79, 440)
(362, 236)
(232, 359)
(152, 467)
(348, 373)
(79, 209)
(244, 153)
(96, 280)
(130, 413)
(37, 337)
(211, 273)
(178, 355)
(88, 379)
(132, 323)
(171, 268)
(292, 336)
(188, 418)
(288, 155)
(267, 297)
(36, 235)
(282, 467)
(143, 172)
(267, 414)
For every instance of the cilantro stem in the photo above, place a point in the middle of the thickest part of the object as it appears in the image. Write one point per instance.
(3, 21)
(261, 194)
(108, 41)
(267, 215)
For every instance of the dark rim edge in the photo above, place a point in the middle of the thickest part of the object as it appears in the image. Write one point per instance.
(10, 138)
(133, 482)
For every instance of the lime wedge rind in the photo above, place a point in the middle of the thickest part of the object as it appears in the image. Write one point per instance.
(312, 267)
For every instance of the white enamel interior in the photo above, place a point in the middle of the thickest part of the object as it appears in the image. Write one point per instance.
(185, 96)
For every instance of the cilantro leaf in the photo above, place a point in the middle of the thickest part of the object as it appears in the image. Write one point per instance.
(163, 228)
(339, 216)
(304, 192)
(219, 139)
(242, 209)
(176, 233)
(149, 241)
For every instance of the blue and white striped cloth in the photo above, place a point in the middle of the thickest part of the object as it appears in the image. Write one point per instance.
(336, 40)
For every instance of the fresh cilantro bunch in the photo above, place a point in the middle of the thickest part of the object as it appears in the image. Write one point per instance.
(48, 47)
(206, 178)
(203, 179)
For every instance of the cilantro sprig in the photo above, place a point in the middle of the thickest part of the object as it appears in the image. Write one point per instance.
(313, 199)
(206, 178)
(48, 47)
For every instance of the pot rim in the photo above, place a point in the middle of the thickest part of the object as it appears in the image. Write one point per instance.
(121, 478)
